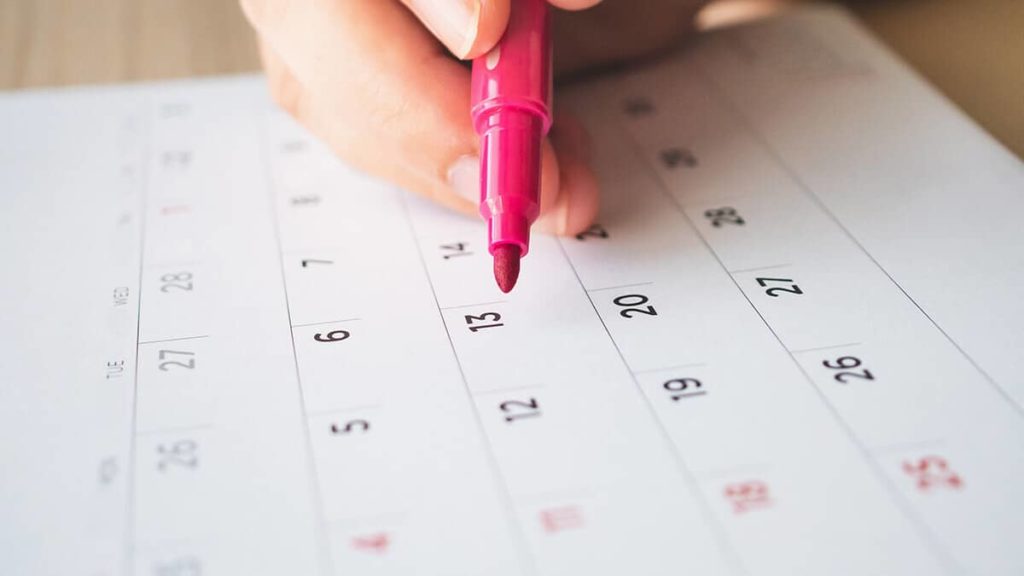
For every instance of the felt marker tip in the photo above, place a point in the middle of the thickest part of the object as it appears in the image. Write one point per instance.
(506, 266)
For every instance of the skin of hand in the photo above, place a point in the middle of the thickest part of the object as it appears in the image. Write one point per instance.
(381, 82)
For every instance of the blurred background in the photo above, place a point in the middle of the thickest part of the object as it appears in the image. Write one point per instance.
(972, 50)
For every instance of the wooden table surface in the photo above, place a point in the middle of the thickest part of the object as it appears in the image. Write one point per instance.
(973, 50)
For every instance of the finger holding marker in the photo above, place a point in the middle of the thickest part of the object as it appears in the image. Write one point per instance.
(370, 79)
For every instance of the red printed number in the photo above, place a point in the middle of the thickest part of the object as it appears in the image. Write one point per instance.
(931, 472)
(561, 518)
(747, 496)
(376, 543)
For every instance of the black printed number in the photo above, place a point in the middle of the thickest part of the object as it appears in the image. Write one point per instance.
(633, 304)
(776, 290)
(475, 325)
(680, 388)
(455, 249)
(180, 566)
(724, 215)
(176, 281)
(183, 454)
(519, 409)
(176, 359)
(595, 231)
(332, 336)
(637, 107)
(350, 427)
(678, 158)
(844, 366)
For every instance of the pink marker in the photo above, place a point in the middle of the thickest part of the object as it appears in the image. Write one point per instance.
(511, 103)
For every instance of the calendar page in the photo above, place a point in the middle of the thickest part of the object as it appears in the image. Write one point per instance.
(792, 344)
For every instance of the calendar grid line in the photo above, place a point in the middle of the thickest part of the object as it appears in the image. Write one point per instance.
(830, 347)
(487, 391)
(170, 429)
(759, 268)
(475, 304)
(161, 341)
(307, 324)
(129, 530)
(673, 367)
(506, 493)
(813, 197)
(329, 412)
(605, 288)
(326, 562)
(900, 501)
(728, 550)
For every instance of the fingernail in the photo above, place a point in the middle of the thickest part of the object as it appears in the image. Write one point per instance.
(464, 178)
(454, 22)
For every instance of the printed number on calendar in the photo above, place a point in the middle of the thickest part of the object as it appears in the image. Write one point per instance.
(846, 369)
(594, 231)
(175, 159)
(332, 336)
(313, 261)
(633, 305)
(520, 409)
(180, 566)
(775, 291)
(174, 109)
(932, 472)
(294, 146)
(747, 496)
(638, 107)
(176, 360)
(176, 281)
(724, 215)
(678, 157)
(306, 200)
(182, 454)
(351, 426)
(483, 321)
(681, 388)
(454, 250)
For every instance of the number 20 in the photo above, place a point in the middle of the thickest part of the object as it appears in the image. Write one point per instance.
(631, 305)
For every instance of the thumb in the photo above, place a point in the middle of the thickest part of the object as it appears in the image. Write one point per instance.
(468, 28)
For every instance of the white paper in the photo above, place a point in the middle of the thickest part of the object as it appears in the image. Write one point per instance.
(791, 346)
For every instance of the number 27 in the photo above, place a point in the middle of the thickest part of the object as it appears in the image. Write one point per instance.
(775, 291)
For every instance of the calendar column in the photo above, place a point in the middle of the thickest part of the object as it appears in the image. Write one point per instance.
(719, 373)
(404, 473)
(904, 387)
(214, 380)
(592, 479)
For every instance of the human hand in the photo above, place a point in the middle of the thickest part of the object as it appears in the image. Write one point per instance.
(376, 80)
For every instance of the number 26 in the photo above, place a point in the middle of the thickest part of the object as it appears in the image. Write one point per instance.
(846, 364)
